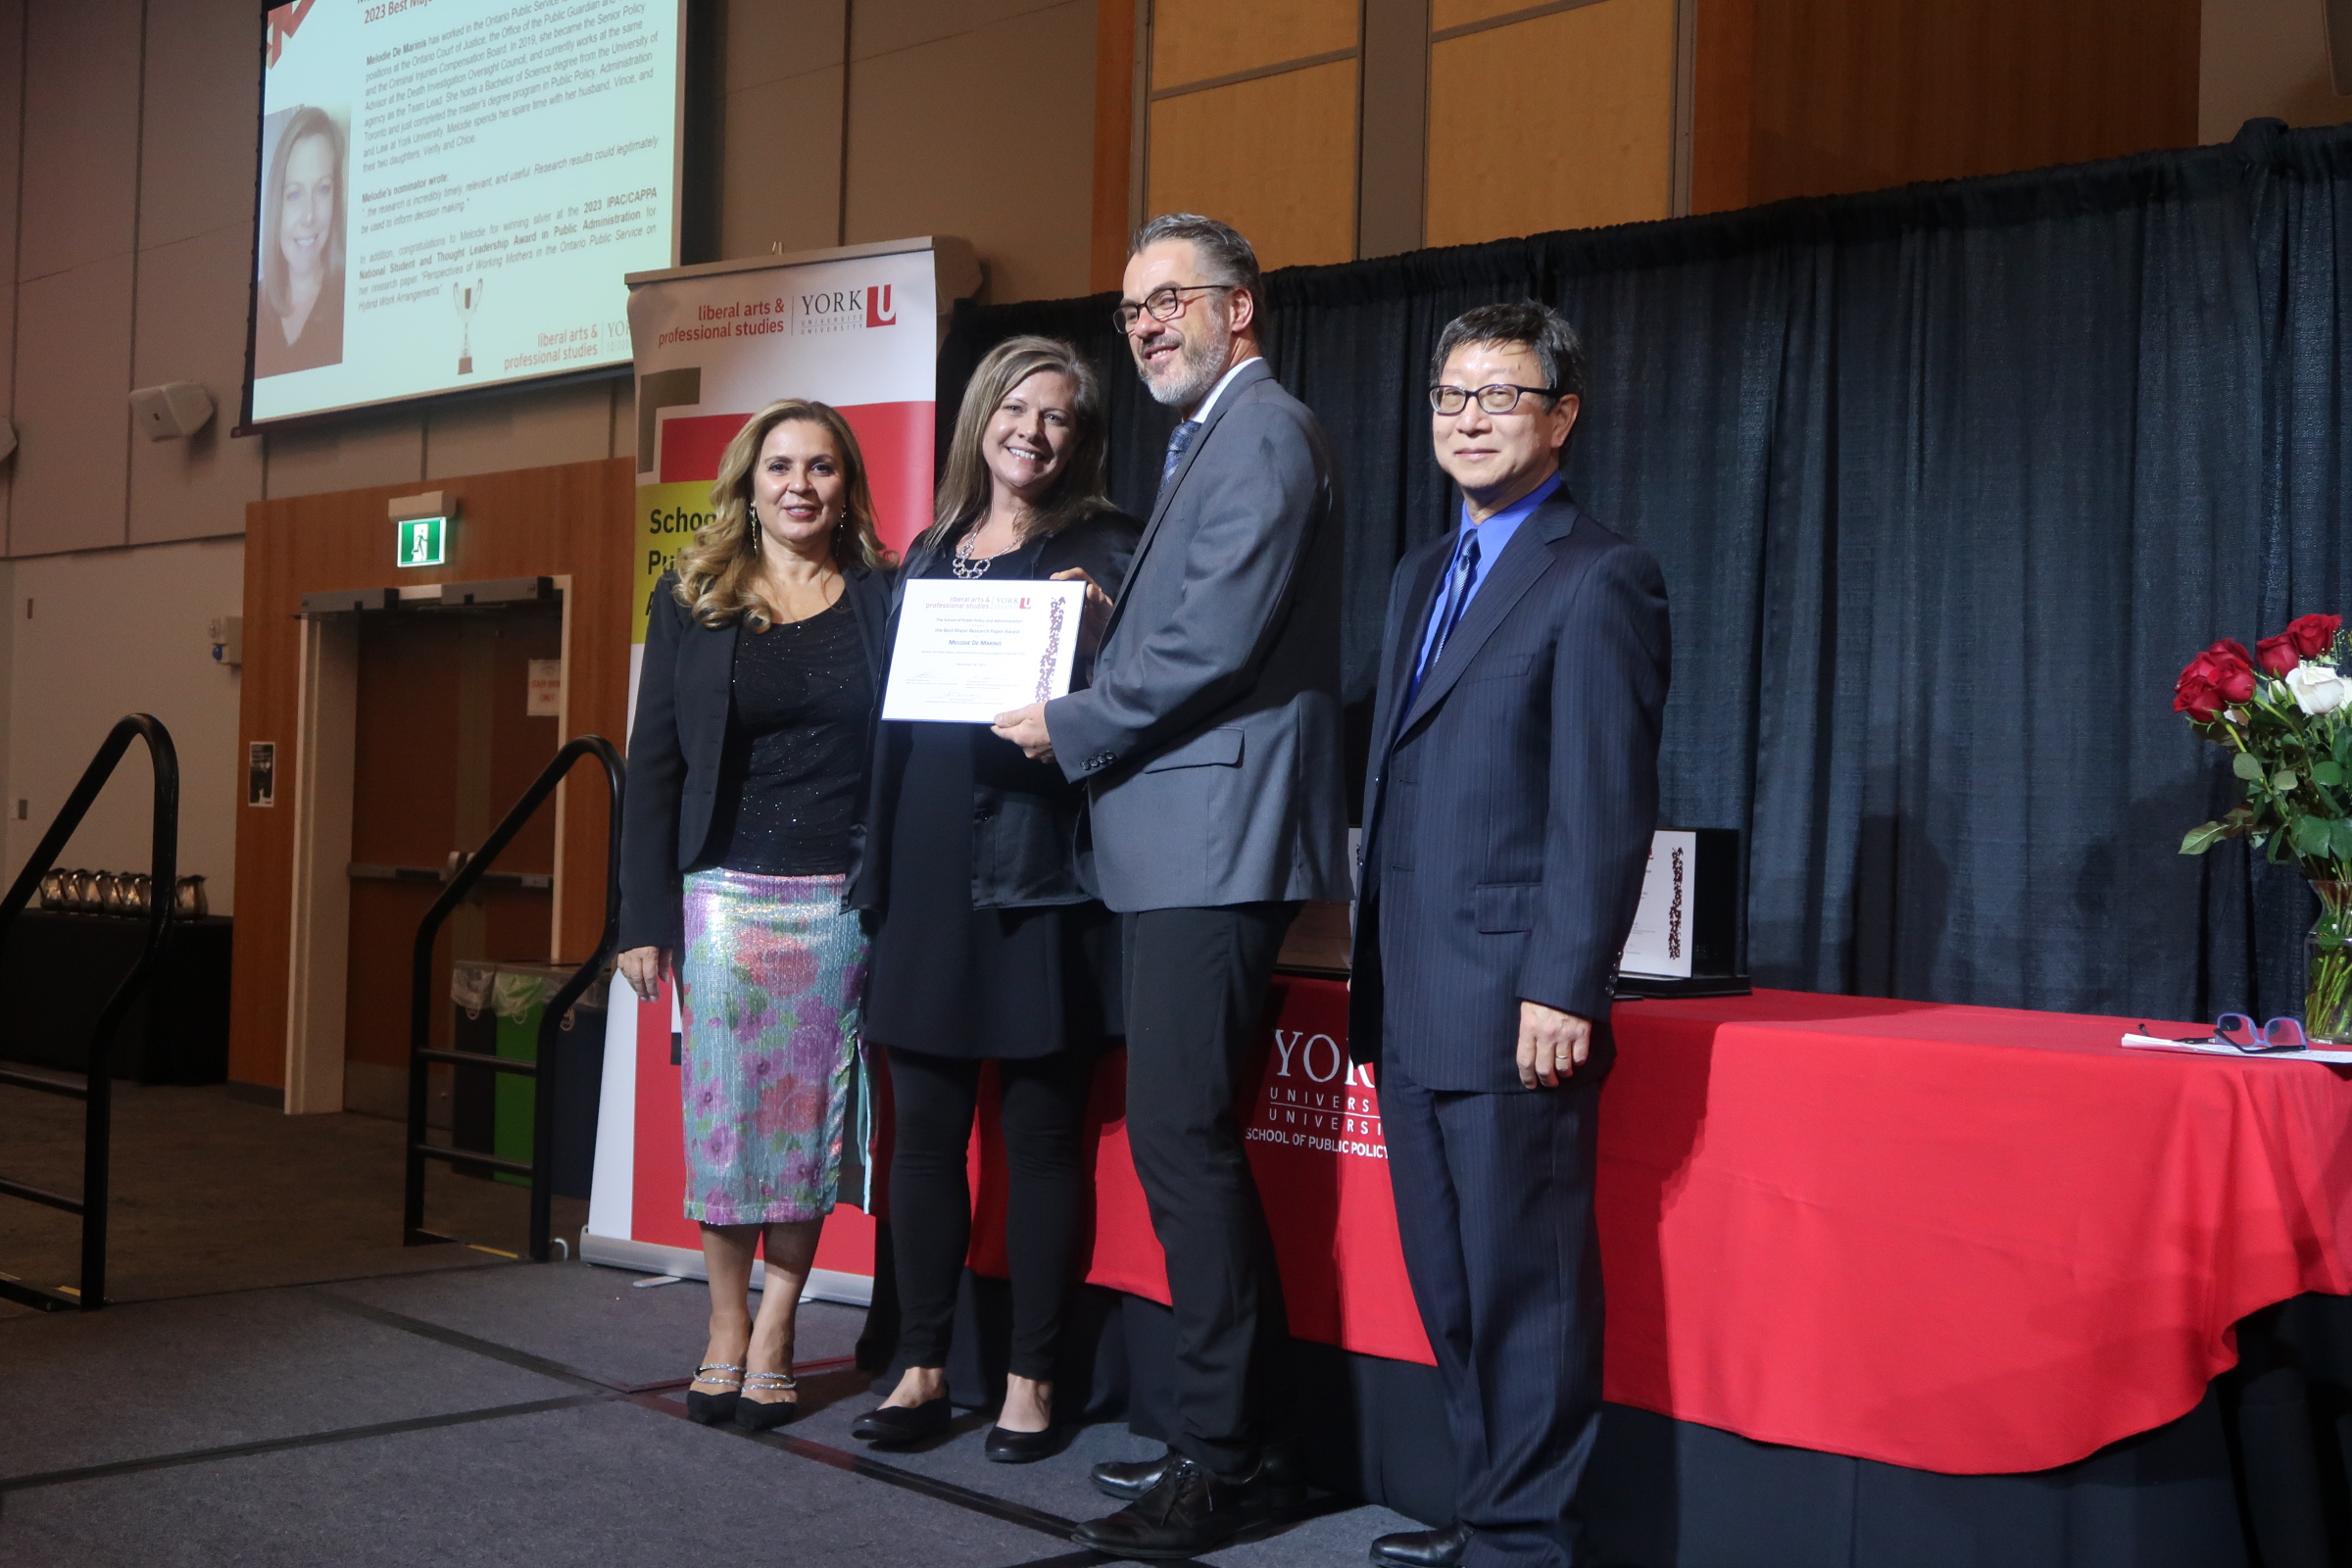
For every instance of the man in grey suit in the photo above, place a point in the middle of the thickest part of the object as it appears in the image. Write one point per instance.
(1210, 740)
(1509, 807)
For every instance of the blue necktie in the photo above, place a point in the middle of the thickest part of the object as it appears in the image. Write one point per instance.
(1457, 599)
(1180, 441)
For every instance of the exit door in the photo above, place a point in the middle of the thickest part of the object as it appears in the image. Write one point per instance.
(445, 742)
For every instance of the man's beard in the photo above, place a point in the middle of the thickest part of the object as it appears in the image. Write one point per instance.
(1191, 377)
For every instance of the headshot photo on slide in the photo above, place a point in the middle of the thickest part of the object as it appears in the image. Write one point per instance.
(298, 307)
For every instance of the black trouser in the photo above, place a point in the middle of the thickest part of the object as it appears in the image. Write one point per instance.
(1195, 994)
(1042, 1110)
(1494, 1207)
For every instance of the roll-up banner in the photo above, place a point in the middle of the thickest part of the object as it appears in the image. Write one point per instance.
(858, 329)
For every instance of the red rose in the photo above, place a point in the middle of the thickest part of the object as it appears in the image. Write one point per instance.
(2278, 655)
(2313, 635)
(2217, 677)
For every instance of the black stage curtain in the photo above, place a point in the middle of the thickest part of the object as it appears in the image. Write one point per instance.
(1948, 483)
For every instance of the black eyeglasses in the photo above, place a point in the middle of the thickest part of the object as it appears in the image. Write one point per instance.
(1164, 304)
(1501, 398)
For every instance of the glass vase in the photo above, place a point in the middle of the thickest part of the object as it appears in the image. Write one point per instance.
(2328, 966)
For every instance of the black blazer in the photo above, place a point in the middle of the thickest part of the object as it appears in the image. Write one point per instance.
(1024, 842)
(1508, 812)
(685, 689)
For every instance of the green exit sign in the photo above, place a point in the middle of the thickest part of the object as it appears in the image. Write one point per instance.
(422, 541)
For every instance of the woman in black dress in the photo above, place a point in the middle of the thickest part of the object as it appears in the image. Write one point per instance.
(987, 948)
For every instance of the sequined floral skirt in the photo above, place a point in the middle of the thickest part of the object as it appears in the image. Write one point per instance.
(771, 984)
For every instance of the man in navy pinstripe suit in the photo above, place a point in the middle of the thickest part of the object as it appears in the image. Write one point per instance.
(1508, 807)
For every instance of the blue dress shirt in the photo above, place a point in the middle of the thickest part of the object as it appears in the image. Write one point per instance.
(1493, 537)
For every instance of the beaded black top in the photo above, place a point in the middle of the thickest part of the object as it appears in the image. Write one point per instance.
(792, 771)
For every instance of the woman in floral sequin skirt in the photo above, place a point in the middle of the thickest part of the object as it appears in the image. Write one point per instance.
(771, 970)
(747, 782)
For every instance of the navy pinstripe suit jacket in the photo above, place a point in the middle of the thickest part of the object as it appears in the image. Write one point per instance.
(1508, 811)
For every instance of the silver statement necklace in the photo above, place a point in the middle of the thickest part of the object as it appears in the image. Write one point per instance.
(964, 564)
(968, 567)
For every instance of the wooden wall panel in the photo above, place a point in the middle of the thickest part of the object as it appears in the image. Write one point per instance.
(1850, 95)
(1723, 105)
(936, 147)
(1115, 144)
(1274, 157)
(574, 520)
(1562, 121)
(1392, 130)
(1197, 41)
(1446, 14)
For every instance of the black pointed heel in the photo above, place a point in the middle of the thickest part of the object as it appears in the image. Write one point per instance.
(765, 1416)
(715, 1409)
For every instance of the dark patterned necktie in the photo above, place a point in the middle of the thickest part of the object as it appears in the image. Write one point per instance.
(1449, 613)
(1465, 575)
(1180, 441)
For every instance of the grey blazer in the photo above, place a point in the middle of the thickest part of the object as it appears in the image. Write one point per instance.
(1209, 739)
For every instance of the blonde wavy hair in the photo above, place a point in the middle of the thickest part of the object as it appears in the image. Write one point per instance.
(717, 568)
(964, 487)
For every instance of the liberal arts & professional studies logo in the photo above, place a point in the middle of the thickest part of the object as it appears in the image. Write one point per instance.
(844, 309)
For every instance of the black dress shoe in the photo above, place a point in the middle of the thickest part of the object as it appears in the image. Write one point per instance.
(1021, 1448)
(1281, 1478)
(1186, 1512)
(1129, 1479)
(1423, 1548)
(895, 1426)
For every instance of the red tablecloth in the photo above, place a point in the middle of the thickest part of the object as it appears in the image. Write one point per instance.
(1960, 1239)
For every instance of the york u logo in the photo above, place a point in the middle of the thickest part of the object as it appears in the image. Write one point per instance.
(1317, 1057)
(841, 310)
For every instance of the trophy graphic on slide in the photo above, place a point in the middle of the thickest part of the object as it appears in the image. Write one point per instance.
(466, 298)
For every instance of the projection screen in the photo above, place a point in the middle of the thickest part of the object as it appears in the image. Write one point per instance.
(452, 191)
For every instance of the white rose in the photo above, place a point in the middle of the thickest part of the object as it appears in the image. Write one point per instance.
(2317, 687)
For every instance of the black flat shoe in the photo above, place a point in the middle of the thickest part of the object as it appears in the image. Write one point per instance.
(1021, 1448)
(894, 1426)
(1186, 1513)
(1422, 1549)
(715, 1409)
(765, 1416)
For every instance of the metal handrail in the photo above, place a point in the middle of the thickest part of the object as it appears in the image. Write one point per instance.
(96, 1092)
(421, 1055)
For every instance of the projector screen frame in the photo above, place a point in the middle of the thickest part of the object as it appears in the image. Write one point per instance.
(426, 401)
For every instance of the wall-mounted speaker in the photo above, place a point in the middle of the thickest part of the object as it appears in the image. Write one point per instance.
(173, 410)
(2339, 16)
